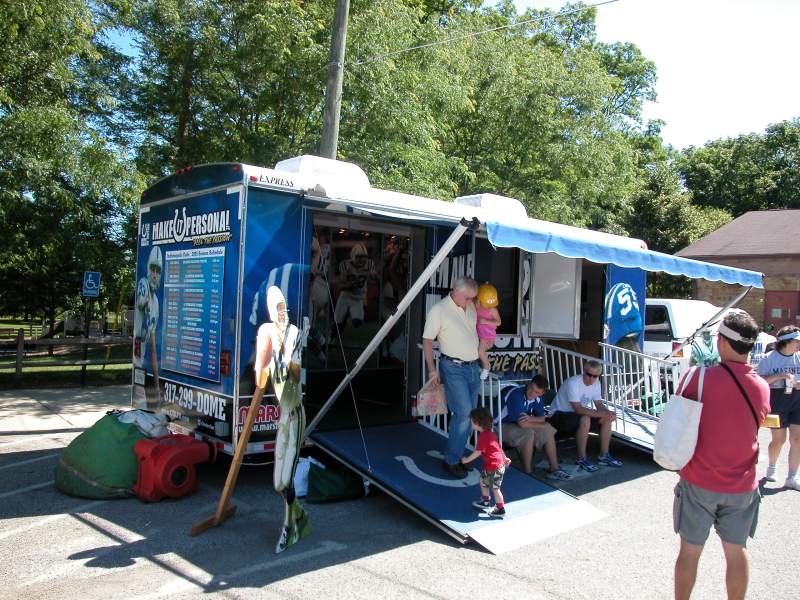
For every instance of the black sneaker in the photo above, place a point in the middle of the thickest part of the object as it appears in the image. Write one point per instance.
(497, 512)
(482, 504)
(457, 470)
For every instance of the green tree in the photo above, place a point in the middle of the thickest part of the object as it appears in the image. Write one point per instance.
(749, 172)
(664, 216)
(66, 194)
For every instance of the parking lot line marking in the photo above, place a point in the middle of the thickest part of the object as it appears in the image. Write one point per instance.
(50, 519)
(203, 579)
(31, 440)
(29, 488)
(29, 461)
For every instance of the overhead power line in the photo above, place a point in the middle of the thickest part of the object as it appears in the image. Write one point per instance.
(477, 33)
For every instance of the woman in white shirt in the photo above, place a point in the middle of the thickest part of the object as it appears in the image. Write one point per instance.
(781, 369)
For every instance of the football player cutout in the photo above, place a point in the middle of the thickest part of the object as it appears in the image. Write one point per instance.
(278, 356)
(145, 319)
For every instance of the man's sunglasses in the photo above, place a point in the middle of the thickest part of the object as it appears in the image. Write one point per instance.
(592, 375)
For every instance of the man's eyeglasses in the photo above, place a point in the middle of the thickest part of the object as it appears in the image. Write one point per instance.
(591, 375)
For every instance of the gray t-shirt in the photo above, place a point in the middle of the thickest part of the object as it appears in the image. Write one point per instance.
(775, 362)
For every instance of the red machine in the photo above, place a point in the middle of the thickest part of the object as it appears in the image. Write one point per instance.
(167, 466)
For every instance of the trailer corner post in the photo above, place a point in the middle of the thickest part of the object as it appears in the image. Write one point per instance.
(413, 291)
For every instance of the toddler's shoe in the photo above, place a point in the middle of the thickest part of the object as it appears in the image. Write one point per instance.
(482, 504)
(497, 512)
(585, 464)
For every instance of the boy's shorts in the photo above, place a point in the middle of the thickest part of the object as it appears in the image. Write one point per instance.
(695, 510)
(493, 479)
(787, 406)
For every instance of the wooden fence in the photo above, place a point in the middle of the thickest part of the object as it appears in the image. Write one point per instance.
(20, 346)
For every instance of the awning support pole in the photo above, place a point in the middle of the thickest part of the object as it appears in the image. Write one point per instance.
(711, 321)
(415, 289)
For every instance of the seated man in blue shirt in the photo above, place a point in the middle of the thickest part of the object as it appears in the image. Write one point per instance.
(525, 428)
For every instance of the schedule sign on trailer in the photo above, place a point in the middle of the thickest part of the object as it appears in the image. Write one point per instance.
(193, 311)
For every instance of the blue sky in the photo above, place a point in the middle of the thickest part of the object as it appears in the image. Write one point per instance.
(725, 67)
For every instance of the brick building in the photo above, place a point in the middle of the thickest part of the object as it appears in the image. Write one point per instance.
(767, 241)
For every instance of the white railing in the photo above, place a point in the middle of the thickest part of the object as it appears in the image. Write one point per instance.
(644, 383)
(633, 383)
(559, 364)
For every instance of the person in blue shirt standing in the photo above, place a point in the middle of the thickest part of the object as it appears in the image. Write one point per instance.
(525, 427)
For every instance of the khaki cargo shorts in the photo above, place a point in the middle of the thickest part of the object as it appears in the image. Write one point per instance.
(517, 436)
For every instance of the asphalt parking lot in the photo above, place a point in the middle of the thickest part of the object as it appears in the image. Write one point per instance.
(54, 546)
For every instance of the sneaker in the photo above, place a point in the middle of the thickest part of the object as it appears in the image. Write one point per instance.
(792, 484)
(482, 504)
(770, 476)
(558, 475)
(586, 465)
(457, 470)
(484, 374)
(608, 460)
(497, 512)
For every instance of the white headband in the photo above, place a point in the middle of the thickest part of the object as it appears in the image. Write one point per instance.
(734, 335)
(792, 335)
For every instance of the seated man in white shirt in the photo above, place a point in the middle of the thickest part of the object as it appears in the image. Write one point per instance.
(579, 405)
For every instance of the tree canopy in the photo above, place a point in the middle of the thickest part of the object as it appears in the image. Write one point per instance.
(441, 98)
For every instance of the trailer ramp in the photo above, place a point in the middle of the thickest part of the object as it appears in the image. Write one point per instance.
(405, 461)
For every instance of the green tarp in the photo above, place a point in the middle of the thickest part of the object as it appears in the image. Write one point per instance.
(100, 462)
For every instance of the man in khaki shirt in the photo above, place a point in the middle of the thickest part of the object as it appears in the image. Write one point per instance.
(453, 322)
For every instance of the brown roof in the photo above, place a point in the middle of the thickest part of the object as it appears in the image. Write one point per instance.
(756, 233)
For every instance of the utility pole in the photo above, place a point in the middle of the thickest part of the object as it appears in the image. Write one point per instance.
(333, 91)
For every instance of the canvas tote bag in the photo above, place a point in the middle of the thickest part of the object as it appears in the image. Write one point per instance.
(676, 435)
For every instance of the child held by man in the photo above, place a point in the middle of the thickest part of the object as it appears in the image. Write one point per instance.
(486, 303)
(495, 462)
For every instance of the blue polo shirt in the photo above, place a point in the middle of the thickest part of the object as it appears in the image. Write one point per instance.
(517, 403)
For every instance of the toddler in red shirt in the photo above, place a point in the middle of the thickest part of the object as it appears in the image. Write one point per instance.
(495, 461)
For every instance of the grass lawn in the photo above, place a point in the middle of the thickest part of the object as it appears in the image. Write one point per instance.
(9, 327)
(67, 376)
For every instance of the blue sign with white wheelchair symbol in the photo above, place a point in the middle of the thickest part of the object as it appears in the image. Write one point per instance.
(91, 283)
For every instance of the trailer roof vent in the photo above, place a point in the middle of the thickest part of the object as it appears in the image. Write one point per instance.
(331, 178)
(502, 208)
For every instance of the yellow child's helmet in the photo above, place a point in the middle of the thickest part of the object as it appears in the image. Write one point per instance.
(487, 295)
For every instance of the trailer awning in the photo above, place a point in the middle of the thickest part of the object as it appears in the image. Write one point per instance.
(534, 238)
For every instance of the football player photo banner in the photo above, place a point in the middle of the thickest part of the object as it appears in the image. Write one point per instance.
(623, 324)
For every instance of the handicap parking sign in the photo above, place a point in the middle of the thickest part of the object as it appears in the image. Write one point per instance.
(91, 284)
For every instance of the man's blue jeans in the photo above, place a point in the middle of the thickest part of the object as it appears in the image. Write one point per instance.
(461, 384)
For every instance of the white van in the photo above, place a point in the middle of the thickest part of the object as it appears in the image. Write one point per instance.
(668, 322)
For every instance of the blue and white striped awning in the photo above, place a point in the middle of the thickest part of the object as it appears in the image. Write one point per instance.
(534, 239)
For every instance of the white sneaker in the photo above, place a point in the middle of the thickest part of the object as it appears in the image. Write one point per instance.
(792, 484)
(770, 476)
(484, 374)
